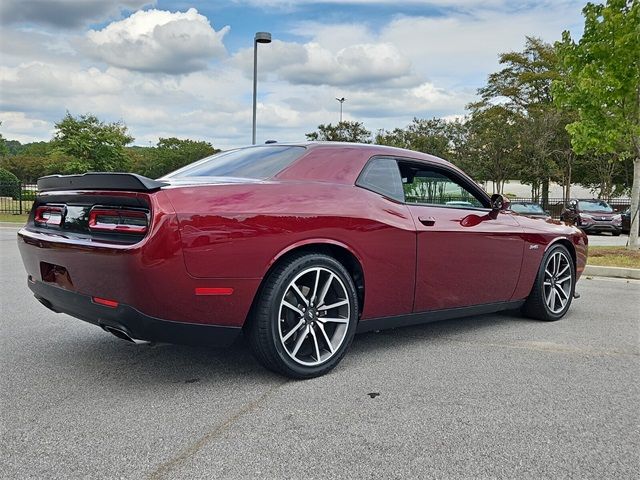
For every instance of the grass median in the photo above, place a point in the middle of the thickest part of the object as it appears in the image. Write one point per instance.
(11, 218)
(614, 257)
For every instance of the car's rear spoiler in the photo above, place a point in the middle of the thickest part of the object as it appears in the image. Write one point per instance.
(99, 181)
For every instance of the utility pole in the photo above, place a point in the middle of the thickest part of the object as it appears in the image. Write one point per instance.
(341, 100)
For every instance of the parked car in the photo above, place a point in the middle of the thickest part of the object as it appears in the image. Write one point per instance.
(530, 209)
(626, 221)
(298, 245)
(593, 216)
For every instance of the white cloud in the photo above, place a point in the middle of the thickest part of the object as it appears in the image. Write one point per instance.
(65, 13)
(19, 126)
(314, 64)
(158, 41)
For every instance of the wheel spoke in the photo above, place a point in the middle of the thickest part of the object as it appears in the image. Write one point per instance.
(325, 289)
(557, 263)
(292, 307)
(300, 294)
(334, 305)
(301, 338)
(564, 279)
(293, 330)
(333, 320)
(566, 267)
(315, 286)
(326, 338)
(552, 293)
(315, 343)
(547, 283)
(561, 293)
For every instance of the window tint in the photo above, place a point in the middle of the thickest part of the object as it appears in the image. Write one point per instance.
(433, 187)
(382, 176)
(252, 162)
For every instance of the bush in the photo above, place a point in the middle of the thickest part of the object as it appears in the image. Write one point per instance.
(9, 184)
(27, 196)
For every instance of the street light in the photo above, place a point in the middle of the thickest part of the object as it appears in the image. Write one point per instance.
(261, 37)
(341, 100)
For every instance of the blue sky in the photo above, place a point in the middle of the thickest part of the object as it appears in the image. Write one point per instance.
(180, 68)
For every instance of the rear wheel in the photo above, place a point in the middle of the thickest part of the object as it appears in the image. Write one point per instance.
(305, 316)
(554, 286)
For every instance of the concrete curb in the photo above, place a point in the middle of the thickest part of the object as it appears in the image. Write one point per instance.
(615, 272)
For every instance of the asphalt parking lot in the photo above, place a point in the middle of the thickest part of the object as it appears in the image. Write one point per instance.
(494, 396)
(608, 240)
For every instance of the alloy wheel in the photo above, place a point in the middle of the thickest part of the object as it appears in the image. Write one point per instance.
(557, 283)
(314, 315)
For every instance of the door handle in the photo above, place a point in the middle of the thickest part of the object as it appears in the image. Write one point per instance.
(427, 221)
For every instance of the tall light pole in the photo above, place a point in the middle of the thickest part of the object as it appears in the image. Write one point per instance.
(341, 100)
(261, 37)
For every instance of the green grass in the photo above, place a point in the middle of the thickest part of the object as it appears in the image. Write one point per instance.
(614, 257)
(7, 217)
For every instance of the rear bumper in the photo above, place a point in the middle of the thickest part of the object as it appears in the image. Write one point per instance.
(136, 324)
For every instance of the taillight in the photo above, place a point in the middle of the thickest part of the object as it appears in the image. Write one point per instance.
(48, 215)
(118, 220)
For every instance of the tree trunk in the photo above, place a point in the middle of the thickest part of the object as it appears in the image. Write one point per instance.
(545, 193)
(635, 200)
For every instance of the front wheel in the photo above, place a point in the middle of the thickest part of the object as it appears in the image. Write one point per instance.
(553, 290)
(305, 316)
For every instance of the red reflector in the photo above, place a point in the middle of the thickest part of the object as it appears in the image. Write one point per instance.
(214, 291)
(118, 220)
(48, 215)
(105, 302)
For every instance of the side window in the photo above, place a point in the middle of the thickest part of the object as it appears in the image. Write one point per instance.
(434, 187)
(381, 175)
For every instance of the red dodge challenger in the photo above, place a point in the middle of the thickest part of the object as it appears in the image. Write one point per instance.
(299, 246)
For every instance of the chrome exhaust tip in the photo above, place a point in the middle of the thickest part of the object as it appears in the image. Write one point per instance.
(120, 333)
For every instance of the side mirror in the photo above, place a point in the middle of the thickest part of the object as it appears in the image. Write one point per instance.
(499, 202)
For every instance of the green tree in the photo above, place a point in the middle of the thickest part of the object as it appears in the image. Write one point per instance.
(434, 136)
(94, 145)
(4, 149)
(169, 154)
(523, 86)
(345, 131)
(603, 86)
(492, 150)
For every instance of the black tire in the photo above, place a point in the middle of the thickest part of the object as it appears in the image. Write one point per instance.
(615, 234)
(536, 304)
(264, 331)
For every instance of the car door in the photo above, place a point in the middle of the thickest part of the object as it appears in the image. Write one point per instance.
(466, 254)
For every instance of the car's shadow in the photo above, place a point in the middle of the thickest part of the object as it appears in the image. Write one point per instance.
(121, 362)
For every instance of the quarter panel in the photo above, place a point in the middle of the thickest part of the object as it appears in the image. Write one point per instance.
(237, 231)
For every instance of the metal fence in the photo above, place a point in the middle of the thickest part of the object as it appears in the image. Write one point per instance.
(17, 199)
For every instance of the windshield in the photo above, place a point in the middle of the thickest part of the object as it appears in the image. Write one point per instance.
(251, 162)
(598, 206)
(526, 208)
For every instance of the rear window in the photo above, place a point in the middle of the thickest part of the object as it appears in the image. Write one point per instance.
(251, 162)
